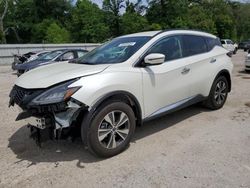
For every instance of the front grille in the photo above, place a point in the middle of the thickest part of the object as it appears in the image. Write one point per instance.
(18, 94)
(247, 66)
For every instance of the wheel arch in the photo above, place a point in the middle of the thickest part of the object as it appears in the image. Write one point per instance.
(126, 97)
(227, 75)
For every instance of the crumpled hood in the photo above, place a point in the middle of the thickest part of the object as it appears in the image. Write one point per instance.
(48, 75)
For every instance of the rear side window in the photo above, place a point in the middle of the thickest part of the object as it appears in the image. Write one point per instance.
(193, 45)
(212, 42)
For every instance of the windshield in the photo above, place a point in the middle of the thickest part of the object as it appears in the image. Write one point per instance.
(50, 55)
(116, 51)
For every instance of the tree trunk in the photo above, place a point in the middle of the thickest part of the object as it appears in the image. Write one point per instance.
(1, 22)
(2, 32)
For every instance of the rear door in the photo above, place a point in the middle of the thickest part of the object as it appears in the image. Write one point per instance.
(203, 61)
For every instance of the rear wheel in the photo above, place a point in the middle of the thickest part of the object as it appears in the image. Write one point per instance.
(218, 94)
(110, 129)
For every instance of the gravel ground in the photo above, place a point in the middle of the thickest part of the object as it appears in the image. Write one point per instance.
(193, 147)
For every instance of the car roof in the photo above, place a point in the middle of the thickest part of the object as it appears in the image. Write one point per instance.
(173, 31)
(71, 49)
(143, 34)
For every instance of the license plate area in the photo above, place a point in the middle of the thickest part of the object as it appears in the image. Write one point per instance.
(37, 122)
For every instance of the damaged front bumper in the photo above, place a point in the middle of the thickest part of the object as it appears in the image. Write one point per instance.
(52, 124)
(52, 121)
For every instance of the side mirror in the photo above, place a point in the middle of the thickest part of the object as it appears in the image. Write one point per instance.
(154, 59)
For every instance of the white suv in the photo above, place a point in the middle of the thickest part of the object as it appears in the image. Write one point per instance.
(133, 78)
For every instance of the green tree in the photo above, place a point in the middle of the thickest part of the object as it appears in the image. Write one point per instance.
(112, 13)
(242, 15)
(87, 23)
(39, 31)
(221, 13)
(133, 22)
(57, 34)
(168, 13)
(197, 18)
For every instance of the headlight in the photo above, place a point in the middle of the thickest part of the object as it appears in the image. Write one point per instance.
(56, 94)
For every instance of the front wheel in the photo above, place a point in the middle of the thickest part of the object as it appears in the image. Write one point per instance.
(111, 129)
(218, 94)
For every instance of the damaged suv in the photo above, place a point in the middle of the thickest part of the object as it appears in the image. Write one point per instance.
(105, 94)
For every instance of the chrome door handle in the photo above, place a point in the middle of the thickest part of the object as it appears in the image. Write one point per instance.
(185, 70)
(213, 60)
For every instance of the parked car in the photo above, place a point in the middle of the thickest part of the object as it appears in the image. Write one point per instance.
(49, 58)
(229, 45)
(244, 45)
(19, 59)
(247, 62)
(132, 79)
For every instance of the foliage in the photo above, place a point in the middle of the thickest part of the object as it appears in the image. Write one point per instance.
(56, 21)
(87, 23)
(57, 34)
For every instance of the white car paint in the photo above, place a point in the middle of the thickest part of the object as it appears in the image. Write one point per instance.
(228, 44)
(52, 74)
(154, 87)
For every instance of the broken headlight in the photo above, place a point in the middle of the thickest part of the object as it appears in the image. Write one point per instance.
(56, 94)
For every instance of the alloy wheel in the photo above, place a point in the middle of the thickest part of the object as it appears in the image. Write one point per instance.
(220, 92)
(113, 129)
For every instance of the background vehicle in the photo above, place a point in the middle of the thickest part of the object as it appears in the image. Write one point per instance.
(229, 45)
(51, 57)
(247, 62)
(19, 59)
(129, 80)
(244, 45)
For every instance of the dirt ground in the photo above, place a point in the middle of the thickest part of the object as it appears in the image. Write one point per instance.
(193, 147)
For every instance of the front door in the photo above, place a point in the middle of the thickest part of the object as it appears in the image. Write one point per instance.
(166, 85)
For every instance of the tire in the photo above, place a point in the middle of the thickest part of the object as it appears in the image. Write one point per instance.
(104, 137)
(218, 102)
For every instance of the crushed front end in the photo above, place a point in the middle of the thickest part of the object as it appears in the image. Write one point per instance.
(50, 113)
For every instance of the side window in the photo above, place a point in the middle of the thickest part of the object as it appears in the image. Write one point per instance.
(170, 47)
(80, 53)
(212, 42)
(193, 45)
(68, 56)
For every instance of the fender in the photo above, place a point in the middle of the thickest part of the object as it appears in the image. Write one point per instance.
(112, 95)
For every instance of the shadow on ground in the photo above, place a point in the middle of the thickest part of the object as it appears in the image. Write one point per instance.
(57, 151)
